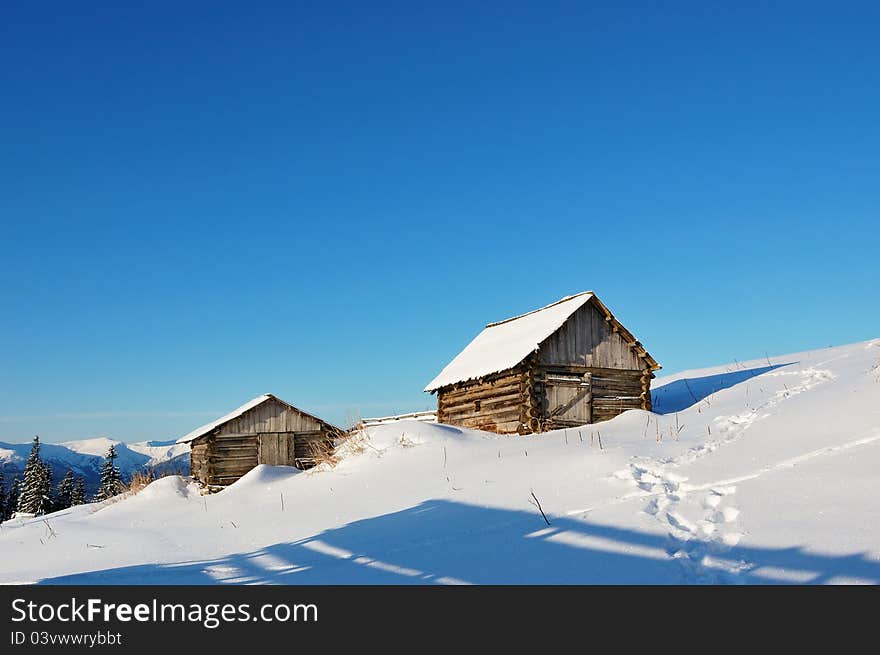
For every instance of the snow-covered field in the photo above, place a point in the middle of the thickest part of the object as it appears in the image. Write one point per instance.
(755, 472)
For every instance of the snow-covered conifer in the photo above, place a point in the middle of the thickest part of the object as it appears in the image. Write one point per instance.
(12, 498)
(31, 493)
(111, 478)
(64, 493)
(78, 496)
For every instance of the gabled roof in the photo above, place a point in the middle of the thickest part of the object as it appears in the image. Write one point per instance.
(505, 344)
(249, 405)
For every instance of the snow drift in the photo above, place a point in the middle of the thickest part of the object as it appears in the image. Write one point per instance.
(756, 472)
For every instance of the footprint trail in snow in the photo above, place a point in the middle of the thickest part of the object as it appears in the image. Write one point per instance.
(702, 521)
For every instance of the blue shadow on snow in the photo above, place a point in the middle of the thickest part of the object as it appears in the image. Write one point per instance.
(681, 394)
(441, 541)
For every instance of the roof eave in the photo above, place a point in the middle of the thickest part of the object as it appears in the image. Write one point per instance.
(269, 397)
(627, 335)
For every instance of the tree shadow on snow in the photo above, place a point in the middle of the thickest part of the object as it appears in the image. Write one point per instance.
(681, 394)
(440, 541)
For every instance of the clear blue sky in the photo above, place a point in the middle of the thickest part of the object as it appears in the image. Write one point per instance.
(326, 201)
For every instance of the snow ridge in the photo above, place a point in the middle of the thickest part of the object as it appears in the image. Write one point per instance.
(755, 472)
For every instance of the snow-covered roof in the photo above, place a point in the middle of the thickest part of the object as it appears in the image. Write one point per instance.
(504, 344)
(235, 413)
(259, 400)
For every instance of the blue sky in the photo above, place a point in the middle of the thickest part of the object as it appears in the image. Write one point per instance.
(326, 201)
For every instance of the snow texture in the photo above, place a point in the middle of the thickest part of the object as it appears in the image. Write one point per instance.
(760, 472)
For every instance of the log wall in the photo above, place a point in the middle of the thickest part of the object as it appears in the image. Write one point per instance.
(518, 400)
(230, 456)
(614, 392)
(494, 404)
(232, 449)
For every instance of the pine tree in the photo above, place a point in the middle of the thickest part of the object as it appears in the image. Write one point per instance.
(30, 499)
(78, 495)
(12, 498)
(2, 497)
(48, 503)
(111, 478)
(64, 493)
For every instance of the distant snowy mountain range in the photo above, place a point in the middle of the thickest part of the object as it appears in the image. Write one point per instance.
(84, 457)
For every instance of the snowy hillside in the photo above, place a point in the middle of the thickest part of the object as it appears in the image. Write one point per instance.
(84, 457)
(755, 472)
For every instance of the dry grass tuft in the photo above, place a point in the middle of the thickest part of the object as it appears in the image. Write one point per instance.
(324, 456)
(140, 479)
(353, 422)
(353, 442)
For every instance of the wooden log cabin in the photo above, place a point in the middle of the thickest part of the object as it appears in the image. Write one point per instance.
(265, 430)
(567, 364)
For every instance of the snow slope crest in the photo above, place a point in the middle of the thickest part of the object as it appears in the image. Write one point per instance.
(755, 472)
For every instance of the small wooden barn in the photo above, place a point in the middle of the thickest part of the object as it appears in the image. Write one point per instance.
(265, 430)
(566, 364)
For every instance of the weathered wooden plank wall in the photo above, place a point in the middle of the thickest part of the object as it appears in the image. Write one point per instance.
(311, 445)
(272, 448)
(198, 459)
(230, 456)
(614, 392)
(271, 416)
(566, 399)
(521, 400)
(271, 433)
(587, 339)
